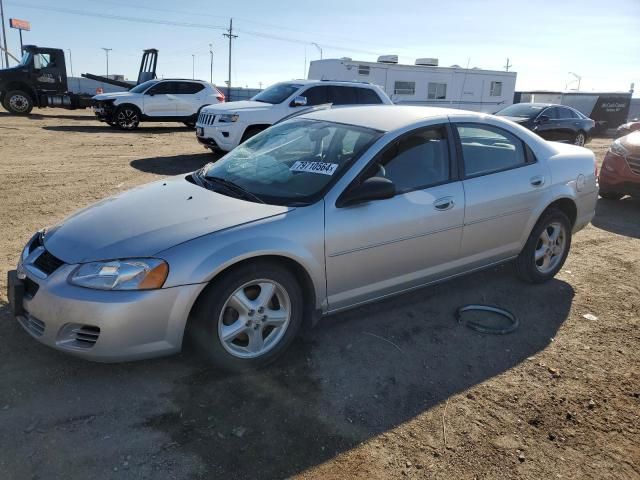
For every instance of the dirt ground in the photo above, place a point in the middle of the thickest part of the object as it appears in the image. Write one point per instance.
(392, 390)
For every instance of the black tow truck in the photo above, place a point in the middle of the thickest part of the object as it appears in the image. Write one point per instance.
(40, 80)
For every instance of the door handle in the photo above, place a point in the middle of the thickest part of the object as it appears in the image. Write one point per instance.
(537, 181)
(444, 203)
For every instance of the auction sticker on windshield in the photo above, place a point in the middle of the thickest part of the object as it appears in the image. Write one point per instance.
(314, 167)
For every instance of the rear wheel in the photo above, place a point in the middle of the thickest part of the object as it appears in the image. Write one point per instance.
(611, 195)
(546, 249)
(248, 317)
(18, 102)
(580, 139)
(127, 117)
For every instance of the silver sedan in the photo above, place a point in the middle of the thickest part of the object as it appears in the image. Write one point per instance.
(320, 213)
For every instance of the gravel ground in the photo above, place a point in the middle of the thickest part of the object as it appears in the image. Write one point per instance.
(392, 390)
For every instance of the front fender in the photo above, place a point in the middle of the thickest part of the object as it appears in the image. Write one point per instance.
(297, 235)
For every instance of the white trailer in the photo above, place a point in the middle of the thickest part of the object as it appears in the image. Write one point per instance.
(425, 83)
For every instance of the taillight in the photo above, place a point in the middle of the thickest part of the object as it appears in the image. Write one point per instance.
(220, 96)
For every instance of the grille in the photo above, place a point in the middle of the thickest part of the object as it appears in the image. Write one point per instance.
(634, 164)
(30, 287)
(32, 324)
(47, 263)
(206, 118)
(86, 336)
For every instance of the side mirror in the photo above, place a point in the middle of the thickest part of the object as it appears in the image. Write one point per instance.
(299, 102)
(543, 119)
(374, 188)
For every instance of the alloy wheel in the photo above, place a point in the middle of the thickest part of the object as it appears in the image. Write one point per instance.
(19, 103)
(254, 318)
(579, 139)
(550, 247)
(128, 119)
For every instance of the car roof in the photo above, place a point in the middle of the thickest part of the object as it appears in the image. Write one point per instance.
(350, 83)
(180, 80)
(383, 117)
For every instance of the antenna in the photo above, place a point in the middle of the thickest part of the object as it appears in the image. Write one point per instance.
(508, 65)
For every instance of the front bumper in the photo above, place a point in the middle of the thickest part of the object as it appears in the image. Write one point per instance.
(620, 179)
(225, 136)
(103, 111)
(104, 326)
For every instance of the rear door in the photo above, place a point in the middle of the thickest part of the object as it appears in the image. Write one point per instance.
(381, 247)
(161, 100)
(568, 123)
(189, 98)
(503, 183)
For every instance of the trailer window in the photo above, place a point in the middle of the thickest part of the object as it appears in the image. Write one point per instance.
(437, 91)
(496, 89)
(364, 70)
(404, 88)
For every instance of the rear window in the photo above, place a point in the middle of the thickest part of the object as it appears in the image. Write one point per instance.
(367, 96)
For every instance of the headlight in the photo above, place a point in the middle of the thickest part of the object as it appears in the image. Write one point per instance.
(130, 274)
(228, 118)
(618, 149)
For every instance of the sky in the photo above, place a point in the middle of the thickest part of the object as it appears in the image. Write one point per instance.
(544, 39)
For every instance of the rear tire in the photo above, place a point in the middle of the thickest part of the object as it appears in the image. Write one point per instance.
(611, 195)
(246, 318)
(580, 139)
(546, 249)
(127, 117)
(18, 102)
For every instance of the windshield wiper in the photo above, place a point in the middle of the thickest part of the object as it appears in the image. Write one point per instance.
(234, 187)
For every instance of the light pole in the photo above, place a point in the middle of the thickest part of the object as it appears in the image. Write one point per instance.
(4, 36)
(107, 50)
(211, 63)
(578, 77)
(193, 66)
(318, 47)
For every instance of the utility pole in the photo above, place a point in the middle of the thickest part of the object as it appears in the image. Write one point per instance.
(4, 36)
(318, 47)
(107, 50)
(193, 66)
(230, 36)
(508, 65)
(211, 63)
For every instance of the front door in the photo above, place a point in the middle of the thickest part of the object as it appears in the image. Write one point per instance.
(161, 100)
(503, 183)
(48, 72)
(385, 246)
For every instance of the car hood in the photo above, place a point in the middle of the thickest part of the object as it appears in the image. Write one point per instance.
(631, 142)
(111, 96)
(231, 107)
(148, 219)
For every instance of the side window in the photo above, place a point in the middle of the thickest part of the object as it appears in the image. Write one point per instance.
(189, 88)
(342, 95)
(42, 60)
(552, 113)
(487, 149)
(164, 88)
(436, 91)
(316, 95)
(415, 161)
(367, 96)
(567, 113)
(404, 88)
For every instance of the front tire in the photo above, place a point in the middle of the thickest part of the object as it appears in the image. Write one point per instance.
(18, 102)
(546, 249)
(580, 139)
(248, 317)
(127, 117)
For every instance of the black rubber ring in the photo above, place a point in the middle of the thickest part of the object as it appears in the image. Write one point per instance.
(478, 327)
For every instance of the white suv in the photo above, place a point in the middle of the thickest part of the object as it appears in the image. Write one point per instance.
(171, 100)
(224, 127)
